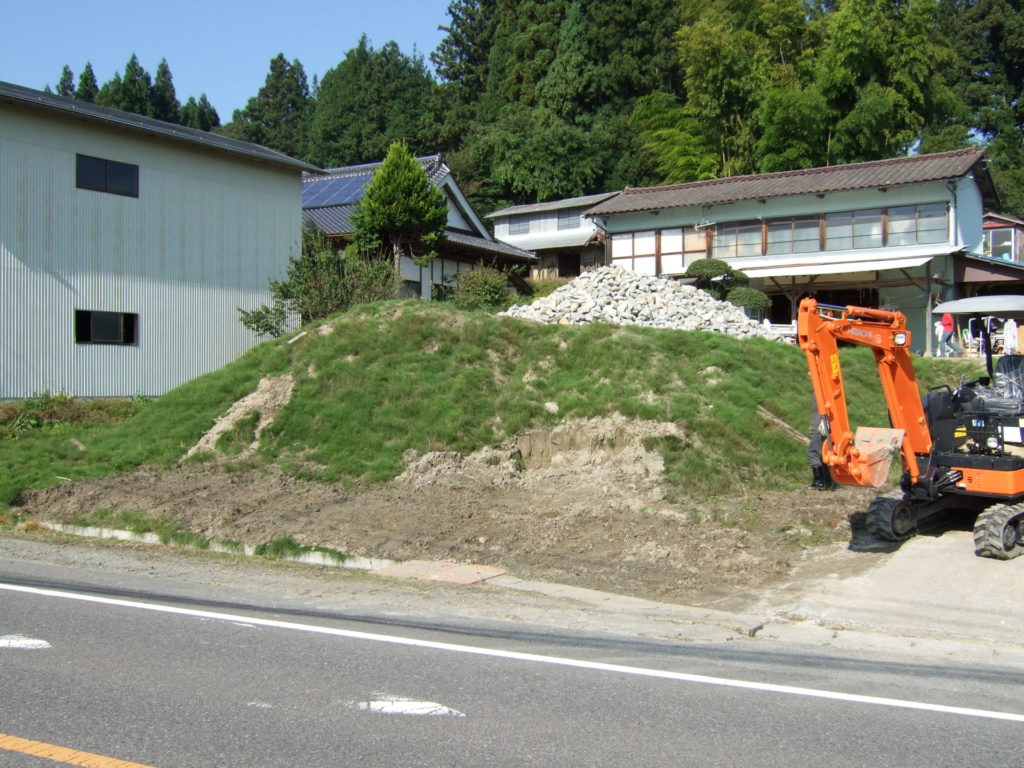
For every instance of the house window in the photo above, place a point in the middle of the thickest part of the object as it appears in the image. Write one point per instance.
(680, 247)
(999, 243)
(106, 327)
(519, 225)
(742, 238)
(659, 252)
(917, 224)
(853, 229)
(798, 235)
(636, 251)
(569, 219)
(101, 175)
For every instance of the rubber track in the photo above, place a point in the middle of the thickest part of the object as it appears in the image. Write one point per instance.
(879, 518)
(988, 531)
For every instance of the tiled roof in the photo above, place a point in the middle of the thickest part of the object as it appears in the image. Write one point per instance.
(876, 174)
(434, 165)
(84, 110)
(553, 205)
(488, 246)
(333, 220)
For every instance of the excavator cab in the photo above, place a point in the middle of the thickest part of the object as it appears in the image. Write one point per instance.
(960, 448)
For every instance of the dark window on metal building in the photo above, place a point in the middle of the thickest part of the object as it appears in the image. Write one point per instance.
(106, 327)
(101, 175)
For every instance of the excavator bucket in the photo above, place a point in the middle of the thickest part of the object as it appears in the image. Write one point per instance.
(874, 448)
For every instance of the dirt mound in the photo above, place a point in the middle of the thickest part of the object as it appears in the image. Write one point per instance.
(584, 455)
(578, 504)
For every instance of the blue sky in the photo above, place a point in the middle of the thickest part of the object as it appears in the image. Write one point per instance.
(220, 48)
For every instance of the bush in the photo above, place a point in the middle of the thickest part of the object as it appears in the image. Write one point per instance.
(482, 288)
(748, 298)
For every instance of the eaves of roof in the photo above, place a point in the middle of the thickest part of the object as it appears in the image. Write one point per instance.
(83, 110)
(879, 174)
(488, 246)
(336, 221)
(553, 205)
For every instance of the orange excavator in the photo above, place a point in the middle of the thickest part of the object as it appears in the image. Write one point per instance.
(961, 449)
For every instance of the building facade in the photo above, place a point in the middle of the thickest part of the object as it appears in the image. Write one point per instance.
(565, 240)
(127, 245)
(329, 201)
(903, 233)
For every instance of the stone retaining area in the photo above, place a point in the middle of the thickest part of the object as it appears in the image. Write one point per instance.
(618, 296)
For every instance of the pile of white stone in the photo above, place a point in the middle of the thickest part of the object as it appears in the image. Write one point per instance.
(621, 297)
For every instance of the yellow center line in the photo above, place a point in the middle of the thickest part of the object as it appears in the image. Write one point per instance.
(63, 754)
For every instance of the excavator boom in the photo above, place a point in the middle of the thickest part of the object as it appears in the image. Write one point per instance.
(864, 459)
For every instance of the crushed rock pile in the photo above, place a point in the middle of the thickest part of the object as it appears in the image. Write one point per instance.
(621, 297)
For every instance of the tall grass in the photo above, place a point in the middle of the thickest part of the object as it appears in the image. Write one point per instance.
(395, 376)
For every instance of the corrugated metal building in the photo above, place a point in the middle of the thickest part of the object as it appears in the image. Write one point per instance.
(127, 245)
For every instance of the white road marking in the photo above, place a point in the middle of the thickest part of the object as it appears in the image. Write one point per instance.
(530, 657)
(397, 705)
(259, 705)
(23, 643)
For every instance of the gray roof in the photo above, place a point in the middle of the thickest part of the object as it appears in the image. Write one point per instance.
(83, 110)
(553, 205)
(497, 247)
(434, 165)
(878, 174)
(344, 187)
(332, 220)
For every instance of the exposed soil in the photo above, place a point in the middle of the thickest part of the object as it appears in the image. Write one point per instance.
(581, 504)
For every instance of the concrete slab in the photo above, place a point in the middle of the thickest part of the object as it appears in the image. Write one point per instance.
(446, 570)
(932, 587)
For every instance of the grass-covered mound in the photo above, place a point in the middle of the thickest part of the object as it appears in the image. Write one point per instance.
(379, 380)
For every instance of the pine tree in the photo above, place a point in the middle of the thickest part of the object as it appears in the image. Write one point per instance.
(367, 102)
(110, 93)
(66, 84)
(130, 92)
(87, 87)
(278, 116)
(199, 114)
(136, 85)
(401, 212)
(163, 103)
(461, 62)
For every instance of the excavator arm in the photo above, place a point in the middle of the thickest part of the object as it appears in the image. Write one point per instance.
(864, 458)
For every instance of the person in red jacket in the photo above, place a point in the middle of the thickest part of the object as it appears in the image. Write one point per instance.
(949, 337)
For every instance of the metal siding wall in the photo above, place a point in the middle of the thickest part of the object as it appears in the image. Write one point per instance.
(203, 238)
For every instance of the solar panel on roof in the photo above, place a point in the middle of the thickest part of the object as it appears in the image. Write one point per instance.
(347, 189)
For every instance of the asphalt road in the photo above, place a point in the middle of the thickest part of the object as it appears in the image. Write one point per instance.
(162, 672)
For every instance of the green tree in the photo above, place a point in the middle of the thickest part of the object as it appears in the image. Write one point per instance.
(163, 102)
(130, 92)
(367, 102)
(66, 84)
(320, 282)
(882, 70)
(401, 212)
(87, 89)
(199, 114)
(988, 78)
(278, 116)
(461, 63)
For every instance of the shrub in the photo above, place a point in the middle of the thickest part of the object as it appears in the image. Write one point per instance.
(482, 288)
(748, 298)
